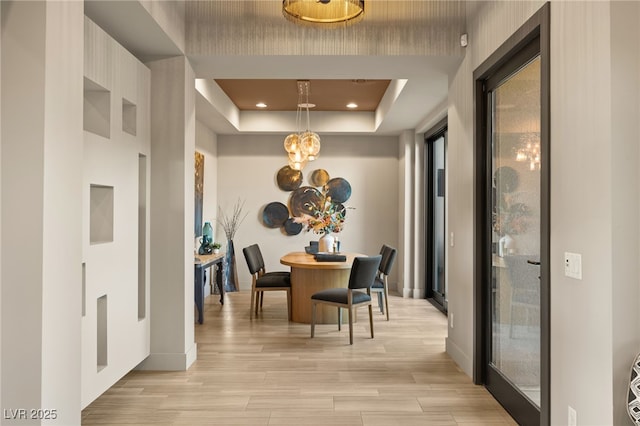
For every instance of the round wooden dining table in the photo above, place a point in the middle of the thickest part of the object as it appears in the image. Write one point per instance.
(309, 276)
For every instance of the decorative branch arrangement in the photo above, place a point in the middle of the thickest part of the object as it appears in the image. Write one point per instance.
(230, 223)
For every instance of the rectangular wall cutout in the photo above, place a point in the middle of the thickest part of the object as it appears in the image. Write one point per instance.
(101, 214)
(102, 338)
(97, 109)
(84, 289)
(129, 123)
(142, 236)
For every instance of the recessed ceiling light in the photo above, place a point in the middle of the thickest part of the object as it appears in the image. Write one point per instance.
(261, 105)
(352, 105)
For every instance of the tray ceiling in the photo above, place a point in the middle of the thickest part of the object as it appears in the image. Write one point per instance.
(282, 94)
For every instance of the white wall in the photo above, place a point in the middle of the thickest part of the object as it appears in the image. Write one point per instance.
(111, 268)
(247, 168)
(581, 143)
(1, 260)
(170, 16)
(625, 35)
(41, 207)
(595, 137)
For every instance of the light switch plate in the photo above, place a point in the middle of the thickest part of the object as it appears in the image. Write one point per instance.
(573, 265)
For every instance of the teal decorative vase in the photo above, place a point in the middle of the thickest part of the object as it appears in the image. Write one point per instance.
(207, 231)
(205, 245)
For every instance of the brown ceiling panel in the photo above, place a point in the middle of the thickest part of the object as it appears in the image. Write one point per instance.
(282, 95)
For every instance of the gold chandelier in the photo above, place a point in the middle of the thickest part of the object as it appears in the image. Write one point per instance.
(324, 13)
(302, 146)
(529, 150)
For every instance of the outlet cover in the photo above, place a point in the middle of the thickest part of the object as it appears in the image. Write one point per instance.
(572, 417)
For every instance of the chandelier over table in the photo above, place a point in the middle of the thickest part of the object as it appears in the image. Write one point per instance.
(304, 145)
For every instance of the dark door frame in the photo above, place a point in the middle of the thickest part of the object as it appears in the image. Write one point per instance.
(438, 130)
(537, 27)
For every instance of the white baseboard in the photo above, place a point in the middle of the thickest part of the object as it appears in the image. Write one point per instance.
(170, 361)
(459, 357)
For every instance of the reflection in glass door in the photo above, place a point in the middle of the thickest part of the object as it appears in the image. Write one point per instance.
(515, 305)
(435, 224)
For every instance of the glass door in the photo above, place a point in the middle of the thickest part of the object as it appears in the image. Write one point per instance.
(515, 190)
(512, 232)
(515, 166)
(435, 224)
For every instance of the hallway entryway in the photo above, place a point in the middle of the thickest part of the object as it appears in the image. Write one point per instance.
(269, 372)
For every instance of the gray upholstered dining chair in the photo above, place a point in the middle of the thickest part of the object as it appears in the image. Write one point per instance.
(363, 272)
(265, 281)
(381, 284)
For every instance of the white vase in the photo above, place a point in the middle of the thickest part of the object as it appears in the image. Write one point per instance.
(506, 245)
(325, 243)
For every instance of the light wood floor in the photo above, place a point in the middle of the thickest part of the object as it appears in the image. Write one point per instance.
(269, 372)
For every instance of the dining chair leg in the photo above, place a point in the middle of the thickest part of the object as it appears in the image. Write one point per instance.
(386, 299)
(261, 298)
(380, 305)
(371, 319)
(350, 326)
(339, 318)
(313, 318)
(258, 298)
(253, 296)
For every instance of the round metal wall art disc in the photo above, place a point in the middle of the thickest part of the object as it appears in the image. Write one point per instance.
(319, 177)
(291, 227)
(304, 200)
(289, 179)
(275, 214)
(338, 189)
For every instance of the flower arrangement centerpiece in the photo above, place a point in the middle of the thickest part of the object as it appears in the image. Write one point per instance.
(325, 217)
(508, 221)
(512, 220)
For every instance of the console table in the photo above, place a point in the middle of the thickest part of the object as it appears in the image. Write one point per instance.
(202, 262)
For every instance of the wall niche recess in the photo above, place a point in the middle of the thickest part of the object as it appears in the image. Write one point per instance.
(102, 342)
(97, 109)
(101, 214)
(128, 117)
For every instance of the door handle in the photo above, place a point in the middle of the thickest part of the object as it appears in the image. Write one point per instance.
(534, 262)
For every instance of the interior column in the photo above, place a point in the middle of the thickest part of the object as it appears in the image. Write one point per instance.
(173, 344)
